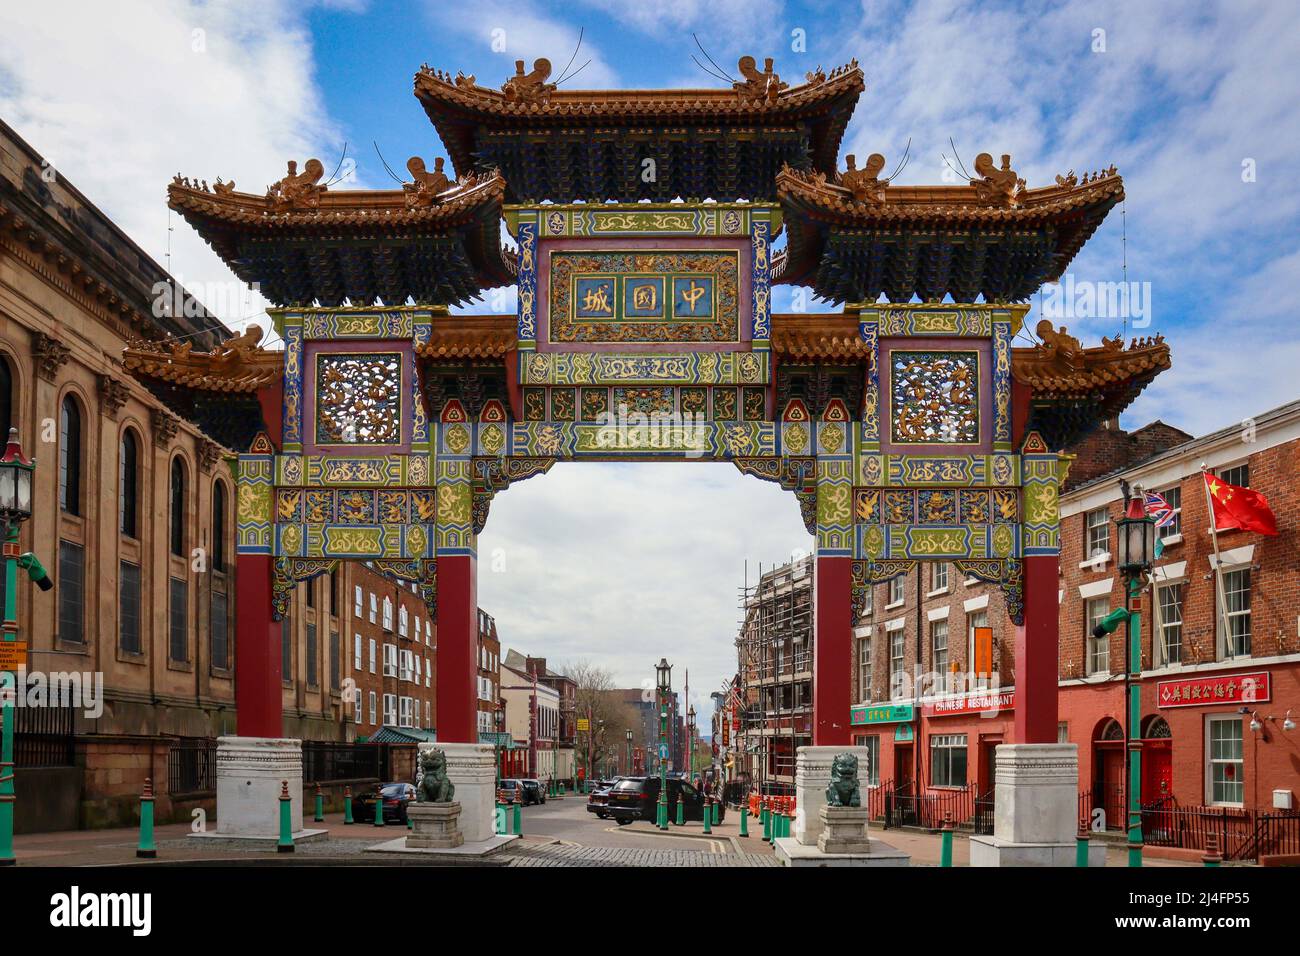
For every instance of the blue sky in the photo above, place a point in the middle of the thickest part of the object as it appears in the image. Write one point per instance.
(1198, 104)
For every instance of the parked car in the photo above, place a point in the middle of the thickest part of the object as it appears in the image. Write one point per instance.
(598, 799)
(396, 796)
(635, 798)
(512, 791)
(534, 792)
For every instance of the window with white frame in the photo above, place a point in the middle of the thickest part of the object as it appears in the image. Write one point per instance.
(372, 655)
(897, 644)
(428, 673)
(373, 710)
(1169, 624)
(1238, 475)
(976, 619)
(388, 614)
(356, 705)
(1098, 657)
(1236, 595)
(1174, 498)
(1224, 764)
(390, 660)
(864, 667)
(356, 608)
(872, 743)
(406, 704)
(947, 760)
(402, 621)
(428, 715)
(390, 710)
(896, 590)
(417, 661)
(939, 654)
(1096, 536)
(428, 632)
(374, 607)
(356, 652)
(939, 576)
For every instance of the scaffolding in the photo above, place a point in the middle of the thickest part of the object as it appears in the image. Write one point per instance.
(774, 650)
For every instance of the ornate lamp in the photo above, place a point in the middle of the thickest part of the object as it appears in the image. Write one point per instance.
(663, 673)
(1137, 535)
(15, 484)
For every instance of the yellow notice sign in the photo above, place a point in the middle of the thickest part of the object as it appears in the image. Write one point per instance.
(13, 655)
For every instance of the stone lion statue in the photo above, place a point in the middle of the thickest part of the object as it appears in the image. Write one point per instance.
(434, 785)
(843, 789)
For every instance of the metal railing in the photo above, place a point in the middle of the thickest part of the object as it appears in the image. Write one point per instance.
(192, 765)
(43, 736)
(899, 806)
(324, 760)
(1110, 800)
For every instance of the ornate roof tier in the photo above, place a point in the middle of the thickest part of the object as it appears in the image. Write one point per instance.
(566, 145)
(854, 237)
(433, 241)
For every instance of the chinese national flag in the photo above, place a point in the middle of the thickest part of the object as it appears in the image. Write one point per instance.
(1239, 507)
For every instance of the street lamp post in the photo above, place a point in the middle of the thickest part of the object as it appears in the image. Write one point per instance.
(1137, 540)
(628, 736)
(15, 508)
(690, 742)
(663, 676)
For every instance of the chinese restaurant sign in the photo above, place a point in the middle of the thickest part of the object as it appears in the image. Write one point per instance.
(1200, 691)
(974, 704)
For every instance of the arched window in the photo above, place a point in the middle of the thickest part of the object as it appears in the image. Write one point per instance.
(218, 526)
(178, 508)
(70, 457)
(6, 398)
(128, 485)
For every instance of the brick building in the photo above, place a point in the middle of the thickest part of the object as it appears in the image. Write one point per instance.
(393, 659)
(937, 735)
(490, 705)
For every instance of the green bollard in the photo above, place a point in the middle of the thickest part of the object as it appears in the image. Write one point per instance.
(744, 821)
(519, 821)
(1081, 848)
(347, 805)
(945, 841)
(681, 813)
(717, 814)
(708, 816)
(146, 850)
(785, 825)
(320, 806)
(767, 826)
(379, 808)
(1212, 855)
(286, 820)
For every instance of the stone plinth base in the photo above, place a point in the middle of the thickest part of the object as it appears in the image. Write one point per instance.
(472, 769)
(434, 826)
(216, 838)
(482, 848)
(812, 774)
(1035, 808)
(990, 851)
(844, 830)
(250, 774)
(793, 853)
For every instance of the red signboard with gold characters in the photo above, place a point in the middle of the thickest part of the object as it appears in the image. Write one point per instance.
(1204, 691)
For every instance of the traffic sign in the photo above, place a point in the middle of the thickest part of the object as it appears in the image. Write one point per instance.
(663, 751)
(584, 723)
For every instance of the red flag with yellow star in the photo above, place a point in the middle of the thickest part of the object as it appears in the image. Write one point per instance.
(1236, 507)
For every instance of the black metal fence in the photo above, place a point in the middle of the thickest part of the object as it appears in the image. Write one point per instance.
(43, 736)
(1109, 800)
(192, 765)
(325, 760)
(899, 806)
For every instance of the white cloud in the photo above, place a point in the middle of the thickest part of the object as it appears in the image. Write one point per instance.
(120, 97)
(623, 564)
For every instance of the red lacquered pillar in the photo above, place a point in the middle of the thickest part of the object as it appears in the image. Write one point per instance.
(1037, 649)
(832, 650)
(258, 704)
(457, 699)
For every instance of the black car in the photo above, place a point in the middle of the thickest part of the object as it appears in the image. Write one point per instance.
(534, 792)
(511, 791)
(598, 799)
(636, 798)
(395, 796)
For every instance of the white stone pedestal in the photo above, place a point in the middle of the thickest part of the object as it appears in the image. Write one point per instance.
(844, 830)
(472, 770)
(1035, 808)
(434, 826)
(811, 775)
(250, 773)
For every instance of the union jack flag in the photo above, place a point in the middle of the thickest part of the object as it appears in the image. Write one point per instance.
(1161, 510)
